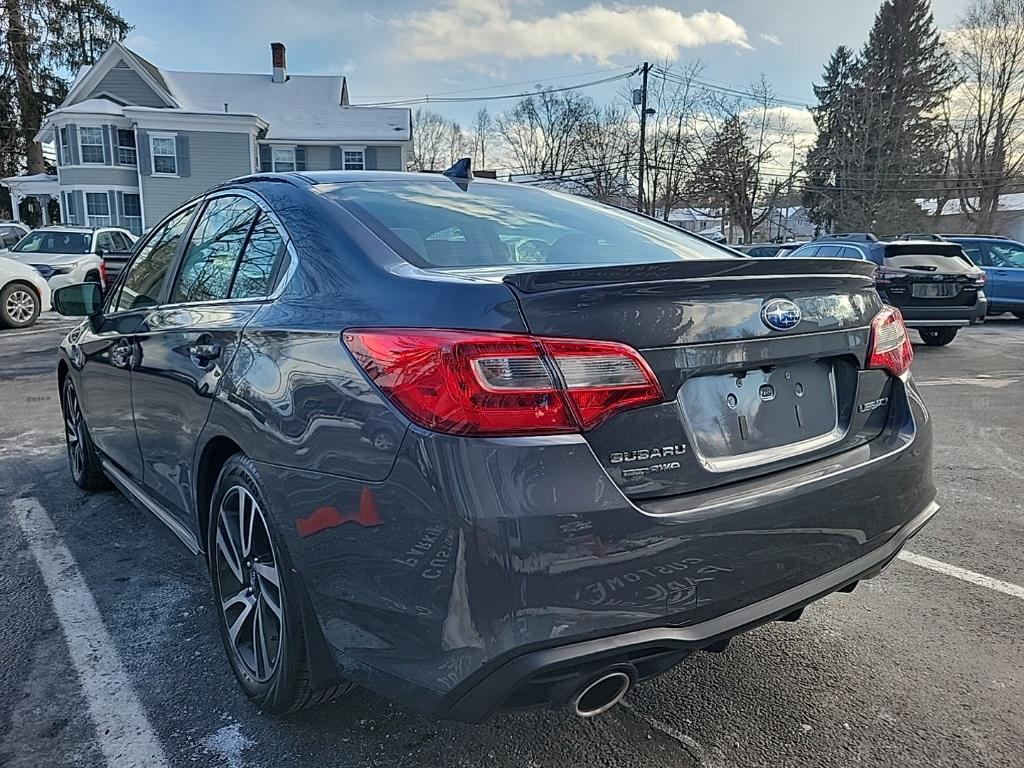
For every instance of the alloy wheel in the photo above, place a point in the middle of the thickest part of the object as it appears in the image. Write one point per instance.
(249, 583)
(73, 430)
(20, 305)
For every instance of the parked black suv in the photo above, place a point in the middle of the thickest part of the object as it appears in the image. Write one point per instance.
(932, 282)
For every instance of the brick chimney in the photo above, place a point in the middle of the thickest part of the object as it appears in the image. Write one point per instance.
(278, 60)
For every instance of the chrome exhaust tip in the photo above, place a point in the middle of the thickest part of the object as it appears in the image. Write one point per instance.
(602, 693)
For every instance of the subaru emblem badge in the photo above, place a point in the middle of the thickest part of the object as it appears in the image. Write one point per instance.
(780, 314)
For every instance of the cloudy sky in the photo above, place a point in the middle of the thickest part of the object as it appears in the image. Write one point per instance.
(394, 49)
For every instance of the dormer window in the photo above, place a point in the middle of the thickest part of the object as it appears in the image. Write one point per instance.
(91, 142)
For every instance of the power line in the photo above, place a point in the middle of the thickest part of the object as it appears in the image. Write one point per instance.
(730, 90)
(500, 85)
(520, 95)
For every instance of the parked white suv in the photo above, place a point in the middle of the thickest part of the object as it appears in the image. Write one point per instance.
(11, 232)
(67, 255)
(23, 294)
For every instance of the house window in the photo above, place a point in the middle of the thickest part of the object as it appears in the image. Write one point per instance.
(283, 159)
(133, 213)
(65, 146)
(353, 160)
(70, 216)
(126, 154)
(165, 156)
(91, 142)
(97, 209)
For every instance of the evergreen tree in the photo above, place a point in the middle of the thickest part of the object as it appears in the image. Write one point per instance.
(44, 41)
(824, 191)
(881, 143)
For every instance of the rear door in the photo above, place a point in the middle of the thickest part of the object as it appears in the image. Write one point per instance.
(1007, 259)
(189, 340)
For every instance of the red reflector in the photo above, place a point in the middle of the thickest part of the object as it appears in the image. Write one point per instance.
(890, 345)
(483, 383)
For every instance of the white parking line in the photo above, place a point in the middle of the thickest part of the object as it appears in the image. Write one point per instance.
(978, 579)
(124, 733)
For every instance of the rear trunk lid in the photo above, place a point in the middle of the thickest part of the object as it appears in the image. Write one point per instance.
(741, 397)
(928, 274)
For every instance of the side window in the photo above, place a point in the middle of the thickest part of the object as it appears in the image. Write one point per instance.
(145, 277)
(214, 249)
(121, 243)
(976, 253)
(828, 251)
(806, 252)
(256, 269)
(1006, 255)
(105, 242)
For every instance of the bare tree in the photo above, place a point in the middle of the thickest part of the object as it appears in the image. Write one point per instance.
(742, 163)
(542, 133)
(482, 137)
(437, 141)
(609, 154)
(672, 145)
(985, 115)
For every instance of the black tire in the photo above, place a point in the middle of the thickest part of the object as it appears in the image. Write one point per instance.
(937, 337)
(83, 460)
(19, 305)
(245, 595)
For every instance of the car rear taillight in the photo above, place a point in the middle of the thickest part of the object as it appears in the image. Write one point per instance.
(890, 344)
(979, 280)
(885, 277)
(483, 383)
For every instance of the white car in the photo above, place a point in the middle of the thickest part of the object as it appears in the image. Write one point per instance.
(11, 232)
(23, 294)
(68, 255)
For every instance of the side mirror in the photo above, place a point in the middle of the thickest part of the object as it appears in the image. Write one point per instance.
(101, 252)
(78, 300)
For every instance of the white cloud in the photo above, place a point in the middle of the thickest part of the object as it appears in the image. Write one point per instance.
(769, 38)
(466, 28)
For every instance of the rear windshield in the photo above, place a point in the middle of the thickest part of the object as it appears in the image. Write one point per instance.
(53, 242)
(929, 257)
(437, 224)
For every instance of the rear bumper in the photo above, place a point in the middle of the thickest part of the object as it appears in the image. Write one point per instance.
(533, 676)
(937, 317)
(481, 570)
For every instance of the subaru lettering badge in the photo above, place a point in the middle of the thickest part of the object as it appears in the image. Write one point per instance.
(780, 314)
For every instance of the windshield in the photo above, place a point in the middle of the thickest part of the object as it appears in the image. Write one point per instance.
(437, 224)
(53, 242)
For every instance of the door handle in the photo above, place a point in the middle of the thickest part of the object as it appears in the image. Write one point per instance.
(203, 353)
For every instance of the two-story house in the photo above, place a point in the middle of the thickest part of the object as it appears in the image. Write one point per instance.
(134, 140)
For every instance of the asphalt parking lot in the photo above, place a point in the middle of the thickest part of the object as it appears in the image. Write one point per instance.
(922, 666)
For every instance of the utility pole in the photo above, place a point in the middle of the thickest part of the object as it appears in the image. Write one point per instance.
(643, 137)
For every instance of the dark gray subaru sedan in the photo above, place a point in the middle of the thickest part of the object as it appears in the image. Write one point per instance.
(477, 446)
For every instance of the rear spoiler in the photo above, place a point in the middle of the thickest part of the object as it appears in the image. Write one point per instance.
(536, 281)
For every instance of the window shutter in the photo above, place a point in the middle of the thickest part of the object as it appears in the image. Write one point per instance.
(265, 163)
(370, 158)
(107, 151)
(113, 145)
(142, 142)
(115, 219)
(183, 159)
(335, 158)
(120, 207)
(81, 217)
(300, 158)
(73, 139)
